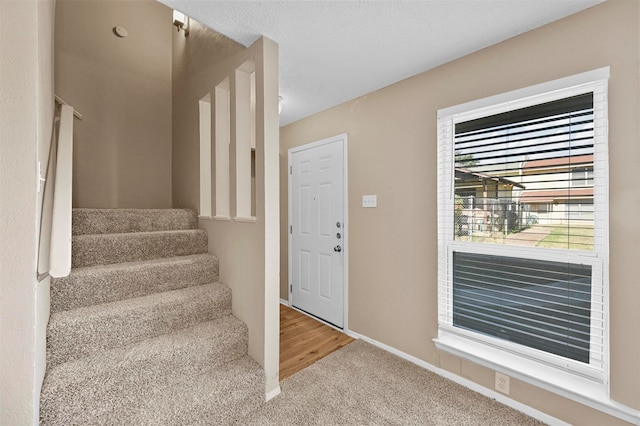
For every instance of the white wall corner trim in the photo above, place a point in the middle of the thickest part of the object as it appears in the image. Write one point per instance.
(503, 399)
(272, 394)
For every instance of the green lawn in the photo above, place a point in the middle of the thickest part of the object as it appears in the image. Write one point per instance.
(580, 238)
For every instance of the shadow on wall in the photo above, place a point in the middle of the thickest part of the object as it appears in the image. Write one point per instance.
(122, 86)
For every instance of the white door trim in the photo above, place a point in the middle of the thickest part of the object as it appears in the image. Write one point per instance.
(345, 245)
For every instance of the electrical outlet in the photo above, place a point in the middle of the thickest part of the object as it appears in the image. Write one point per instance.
(502, 383)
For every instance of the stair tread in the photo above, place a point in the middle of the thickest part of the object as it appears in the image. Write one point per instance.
(83, 270)
(131, 234)
(102, 249)
(162, 351)
(211, 397)
(80, 332)
(97, 284)
(171, 379)
(98, 221)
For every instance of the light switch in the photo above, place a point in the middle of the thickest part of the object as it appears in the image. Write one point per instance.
(369, 201)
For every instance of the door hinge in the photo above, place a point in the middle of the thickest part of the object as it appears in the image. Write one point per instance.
(291, 288)
(290, 170)
(291, 229)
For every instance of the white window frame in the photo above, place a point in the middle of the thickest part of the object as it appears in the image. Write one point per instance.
(558, 374)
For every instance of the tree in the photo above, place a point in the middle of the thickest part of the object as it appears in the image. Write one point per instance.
(465, 160)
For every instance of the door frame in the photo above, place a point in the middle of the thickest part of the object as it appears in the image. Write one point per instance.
(345, 205)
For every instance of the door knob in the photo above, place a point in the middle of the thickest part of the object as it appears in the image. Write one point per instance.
(337, 248)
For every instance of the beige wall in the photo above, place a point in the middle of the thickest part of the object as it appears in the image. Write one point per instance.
(247, 265)
(26, 111)
(122, 86)
(392, 153)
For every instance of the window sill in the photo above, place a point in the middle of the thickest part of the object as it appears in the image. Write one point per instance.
(573, 387)
(221, 218)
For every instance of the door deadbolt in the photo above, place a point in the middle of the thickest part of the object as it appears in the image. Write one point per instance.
(338, 225)
(338, 235)
(337, 248)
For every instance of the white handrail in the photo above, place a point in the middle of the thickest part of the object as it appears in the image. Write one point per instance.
(60, 254)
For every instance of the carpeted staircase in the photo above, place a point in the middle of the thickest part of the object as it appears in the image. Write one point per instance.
(141, 332)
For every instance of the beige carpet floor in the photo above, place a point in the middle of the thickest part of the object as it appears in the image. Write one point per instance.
(361, 384)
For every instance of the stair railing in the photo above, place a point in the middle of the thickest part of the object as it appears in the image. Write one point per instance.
(60, 246)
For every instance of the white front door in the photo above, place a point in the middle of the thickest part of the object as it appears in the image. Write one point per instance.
(317, 231)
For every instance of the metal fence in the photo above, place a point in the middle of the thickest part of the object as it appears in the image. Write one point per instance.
(491, 215)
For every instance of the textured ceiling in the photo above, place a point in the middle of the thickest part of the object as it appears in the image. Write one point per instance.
(334, 51)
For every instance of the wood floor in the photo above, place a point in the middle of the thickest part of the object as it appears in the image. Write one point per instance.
(304, 340)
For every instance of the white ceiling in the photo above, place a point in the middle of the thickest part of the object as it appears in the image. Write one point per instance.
(334, 51)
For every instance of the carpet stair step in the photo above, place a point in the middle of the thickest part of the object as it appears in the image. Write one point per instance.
(85, 331)
(214, 396)
(141, 332)
(93, 285)
(117, 221)
(204, 366)
(103, 249)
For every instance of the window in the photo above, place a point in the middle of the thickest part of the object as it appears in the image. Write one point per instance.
(522, 226)
(539, 208)
(582, 176)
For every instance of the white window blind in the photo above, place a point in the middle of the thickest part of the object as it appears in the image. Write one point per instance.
(540, 304)
(507, 164)
(522, 227)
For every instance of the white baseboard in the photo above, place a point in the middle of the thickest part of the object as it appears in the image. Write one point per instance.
(536, 414)
(284, 302)
(611, 408)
